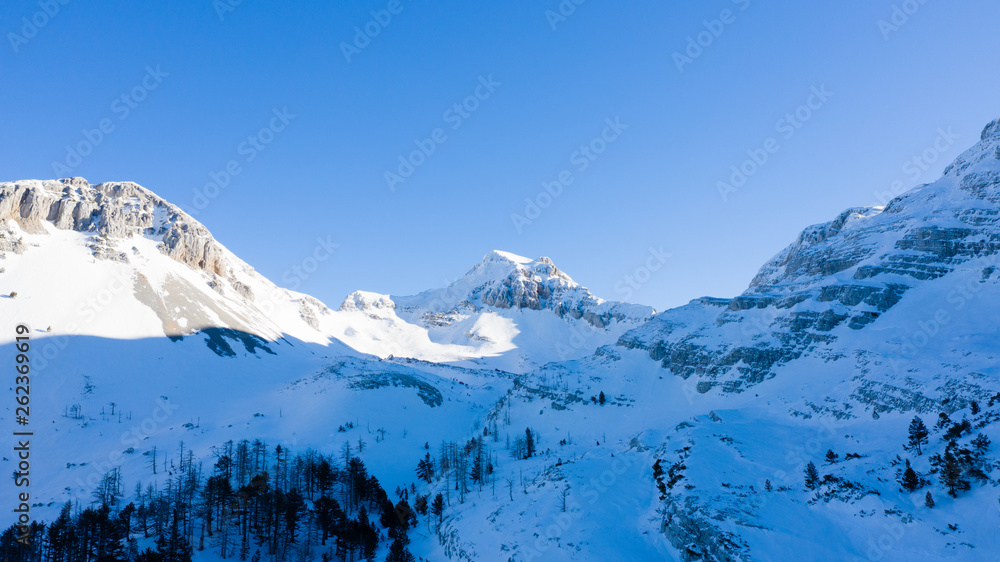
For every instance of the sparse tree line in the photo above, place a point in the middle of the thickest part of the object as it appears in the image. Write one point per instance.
(256, 503)
(461, 468)
(961, 464)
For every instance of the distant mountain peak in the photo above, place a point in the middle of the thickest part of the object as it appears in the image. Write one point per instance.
(507, 281)
(501, 256)
(509, 270)
(991, 130)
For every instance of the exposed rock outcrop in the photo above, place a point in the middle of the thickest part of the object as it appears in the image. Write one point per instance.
(113, 210)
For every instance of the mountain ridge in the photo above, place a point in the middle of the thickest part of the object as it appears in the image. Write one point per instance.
(126, 228)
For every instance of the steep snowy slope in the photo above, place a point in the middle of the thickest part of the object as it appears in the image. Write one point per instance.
(837, 291)
(841, 340)
(116, 260)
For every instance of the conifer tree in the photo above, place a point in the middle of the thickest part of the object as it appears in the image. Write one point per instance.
(953, 471)
(910, 481)
(477, 468)
(811, 476)
(917, 435)
(425, 468)
(437, 508)
(398, 552)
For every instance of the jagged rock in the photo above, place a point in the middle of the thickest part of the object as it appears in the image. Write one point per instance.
(114, 210)
(540, 285)
(243, 290)
(991, 130)
(11, 243)
(692, 533)
(364, 300)
(216, 284)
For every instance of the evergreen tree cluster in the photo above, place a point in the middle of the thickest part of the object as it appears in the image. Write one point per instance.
(958, 466)
(462, 466)
(255, 501)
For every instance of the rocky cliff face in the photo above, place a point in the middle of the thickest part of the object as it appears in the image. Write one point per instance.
(504, 281)
(182, 274)
(540, 285)
(113, 210)
(838, 277)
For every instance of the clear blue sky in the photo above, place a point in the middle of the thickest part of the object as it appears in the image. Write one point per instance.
(655, 185)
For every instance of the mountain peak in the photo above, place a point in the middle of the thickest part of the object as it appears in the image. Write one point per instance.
(504, 272)
(74, 181)
(991, 130)
(505, 257)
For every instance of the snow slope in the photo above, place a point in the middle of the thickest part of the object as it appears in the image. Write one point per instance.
(114, 260)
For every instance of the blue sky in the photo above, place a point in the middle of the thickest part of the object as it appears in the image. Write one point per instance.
(309, 117)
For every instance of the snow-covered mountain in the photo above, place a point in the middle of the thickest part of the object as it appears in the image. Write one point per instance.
(875, 286)
(680, 435)
(115, 260)
(523, 312)
(162, 273)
